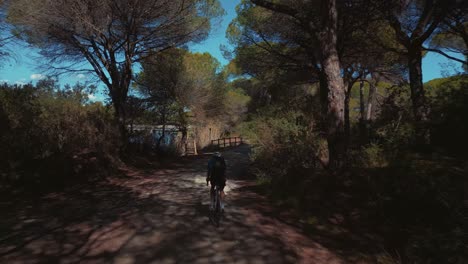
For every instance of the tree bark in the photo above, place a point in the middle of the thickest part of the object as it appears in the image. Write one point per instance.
(369, 108)
(362, 108)
(323, 95)
(163, 135)
(331, 68)
(371, 100)
(347, 119)
(362, 113)
(120, 116)
(183, 141)
(421, 109)
(121, 79)
(331, 82)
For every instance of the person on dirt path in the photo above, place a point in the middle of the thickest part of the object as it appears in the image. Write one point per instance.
(216, 176)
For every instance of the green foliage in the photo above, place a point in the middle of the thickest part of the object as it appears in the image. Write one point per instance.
(449, 97)
(235, 105)
(372, 156)
(416, 200)
(415, 197)
(449, 41)
(283, 146)
(190, 90)
(49, 136)
(453, 40)
(177, 81)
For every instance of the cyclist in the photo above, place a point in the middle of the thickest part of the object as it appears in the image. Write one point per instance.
(216, 176)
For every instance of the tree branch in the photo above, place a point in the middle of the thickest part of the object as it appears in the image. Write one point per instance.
(401, 35)
(446, 55)
(428, 13)
(280, 8)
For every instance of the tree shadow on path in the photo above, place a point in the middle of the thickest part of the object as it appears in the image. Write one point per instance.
(157, 216)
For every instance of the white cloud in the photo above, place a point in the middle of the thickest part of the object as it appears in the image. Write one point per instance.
(4, 81)
(37, 76)
(91, 97)
(81, 76)
(20, 83)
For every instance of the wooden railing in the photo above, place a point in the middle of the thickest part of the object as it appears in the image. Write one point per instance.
(227, 142)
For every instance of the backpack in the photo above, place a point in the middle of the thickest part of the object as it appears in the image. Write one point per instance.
(219, 166)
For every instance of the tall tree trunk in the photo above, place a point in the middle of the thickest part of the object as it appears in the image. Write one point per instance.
(161, 138)
(371, 100)
(362, 109)
(362, 113)
(370, 108)
(183, 141)
(121, 79)
(336, 93)
(323, 95)
(420, 107)
(120, 116)
(347, 119)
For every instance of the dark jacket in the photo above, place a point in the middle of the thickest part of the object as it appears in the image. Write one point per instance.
(216, 169)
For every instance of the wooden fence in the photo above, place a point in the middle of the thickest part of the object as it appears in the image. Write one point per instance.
(227, 142)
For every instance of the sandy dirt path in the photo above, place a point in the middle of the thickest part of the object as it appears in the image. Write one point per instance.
(156, 216)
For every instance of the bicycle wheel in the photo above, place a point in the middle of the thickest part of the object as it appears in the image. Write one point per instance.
(217, 211)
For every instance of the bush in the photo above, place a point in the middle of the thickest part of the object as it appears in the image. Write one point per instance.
(372, 156)
(50, 136)
(283, 148)
(449, 97)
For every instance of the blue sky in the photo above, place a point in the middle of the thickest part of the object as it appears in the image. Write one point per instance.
(24, 68)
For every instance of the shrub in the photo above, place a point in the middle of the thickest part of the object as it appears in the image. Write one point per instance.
(372, 156)
(450, 114)
(49, 136)
(283, 148)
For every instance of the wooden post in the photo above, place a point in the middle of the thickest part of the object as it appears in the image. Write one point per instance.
(195, 147)
(224, 142)
(230, 142)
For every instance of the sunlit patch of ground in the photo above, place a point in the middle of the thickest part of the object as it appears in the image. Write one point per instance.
(199, 180)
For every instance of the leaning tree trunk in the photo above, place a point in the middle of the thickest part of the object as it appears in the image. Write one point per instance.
(336, 92)
(421, 109)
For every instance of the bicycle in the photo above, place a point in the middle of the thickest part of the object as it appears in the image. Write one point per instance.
(216, 213)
